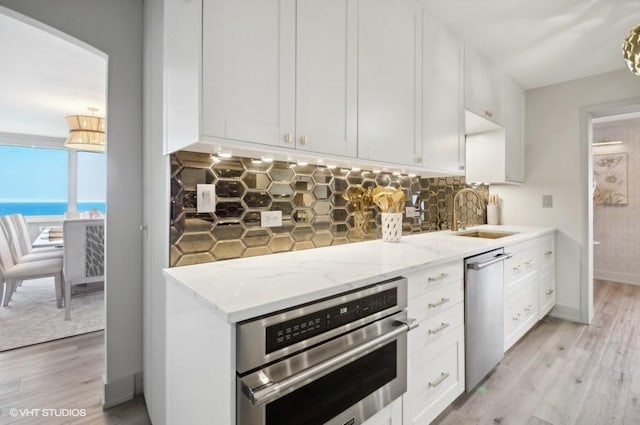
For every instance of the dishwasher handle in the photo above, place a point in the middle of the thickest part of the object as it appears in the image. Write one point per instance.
(494, 260)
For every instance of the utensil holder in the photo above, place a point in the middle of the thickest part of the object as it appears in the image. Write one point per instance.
(493, 214)
(391, 226)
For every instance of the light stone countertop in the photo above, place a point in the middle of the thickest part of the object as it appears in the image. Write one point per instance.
(244, 288)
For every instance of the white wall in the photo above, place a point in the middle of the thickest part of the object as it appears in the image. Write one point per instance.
(617, 227)
(115, 28)
(556, 164)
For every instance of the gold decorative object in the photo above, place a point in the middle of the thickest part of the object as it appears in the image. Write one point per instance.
(389, 199)
(631, 50)
(359, 197)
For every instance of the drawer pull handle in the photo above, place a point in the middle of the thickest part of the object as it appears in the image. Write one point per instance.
(440, 380)
(516, 317)
(442, 327)
(439, 303)
(549, 292)
(437, 278)
(516, 269)
(548, 253)
(528, 263)
(528, 308)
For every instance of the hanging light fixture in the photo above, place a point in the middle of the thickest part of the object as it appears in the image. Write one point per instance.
(86, 132)
(631, 50)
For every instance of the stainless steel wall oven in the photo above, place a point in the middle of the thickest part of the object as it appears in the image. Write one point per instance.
(335, 361)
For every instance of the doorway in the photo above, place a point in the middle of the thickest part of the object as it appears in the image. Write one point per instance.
(48, 186)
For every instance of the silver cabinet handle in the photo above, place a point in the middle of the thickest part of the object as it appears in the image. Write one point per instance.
(528, 263)
(274, 390)
(304, 140)
(549, 292)
(528, 308)
(288, 138)
(439, 329)
(548, 253)
(439, 303)
(440, 380)
(517, 268)
(496, 259)
(517, 317)
(437, 278)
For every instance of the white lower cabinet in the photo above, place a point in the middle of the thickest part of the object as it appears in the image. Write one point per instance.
(435, 364)
(529, 286)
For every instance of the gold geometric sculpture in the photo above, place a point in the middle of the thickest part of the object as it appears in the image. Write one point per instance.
(631, 50)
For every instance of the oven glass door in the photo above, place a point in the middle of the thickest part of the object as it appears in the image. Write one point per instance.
(325, 398)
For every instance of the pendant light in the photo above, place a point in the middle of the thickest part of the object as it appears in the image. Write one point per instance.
(631, 50)
(86, 132)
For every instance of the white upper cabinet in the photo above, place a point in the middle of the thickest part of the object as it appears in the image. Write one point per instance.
(327, 76)
(390, 81)
(483, 86)
(248, 69)
(443, 98)
(514, 113)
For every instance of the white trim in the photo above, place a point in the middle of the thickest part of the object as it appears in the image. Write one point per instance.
(567, 312)
(72, 177)
(630, 278)
(31, 140)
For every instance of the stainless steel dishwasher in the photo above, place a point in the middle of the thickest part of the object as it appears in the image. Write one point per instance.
(484, 314)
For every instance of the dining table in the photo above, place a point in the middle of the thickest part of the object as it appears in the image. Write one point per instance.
(49, 237)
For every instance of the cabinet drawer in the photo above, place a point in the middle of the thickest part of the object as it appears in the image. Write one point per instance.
(521, 313)
(434, 277)
(390, 415)
(546, 250)
(435, 378)
(436, 327)
(515, 290)
(547, 295)
(520, 265)
(433, 302)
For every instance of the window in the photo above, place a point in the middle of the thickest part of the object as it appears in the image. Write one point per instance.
(92, 174)
(34, 180)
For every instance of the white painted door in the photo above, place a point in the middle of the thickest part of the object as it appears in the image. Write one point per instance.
(327, 73)
(390, 81)
(514, 104)
(442, 98)
(248, 80)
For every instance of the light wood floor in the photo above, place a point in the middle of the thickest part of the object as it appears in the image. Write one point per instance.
(63, 374)
(564, 373)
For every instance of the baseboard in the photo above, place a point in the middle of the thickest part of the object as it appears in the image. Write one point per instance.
(119, 391)
(632, 279)
(566, 312)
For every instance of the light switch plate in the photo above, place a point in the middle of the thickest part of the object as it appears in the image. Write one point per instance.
(270, 218)
(410, 212)
(547, 201)
(206, 194)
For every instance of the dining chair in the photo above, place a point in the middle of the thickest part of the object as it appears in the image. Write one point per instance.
(12, 272)
(25, 238)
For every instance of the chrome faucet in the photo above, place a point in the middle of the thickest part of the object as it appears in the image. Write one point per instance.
(456, 225)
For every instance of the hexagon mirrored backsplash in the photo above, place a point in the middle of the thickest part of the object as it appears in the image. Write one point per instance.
(314, 212)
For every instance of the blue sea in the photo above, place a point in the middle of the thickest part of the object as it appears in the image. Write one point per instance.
(46, 208)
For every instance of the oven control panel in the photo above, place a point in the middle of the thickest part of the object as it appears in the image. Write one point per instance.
(287, 333)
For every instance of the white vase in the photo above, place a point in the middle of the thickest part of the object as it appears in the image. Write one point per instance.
(493, 214)
(391, 226)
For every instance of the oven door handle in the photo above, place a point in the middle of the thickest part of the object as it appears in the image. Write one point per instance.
(274, 390)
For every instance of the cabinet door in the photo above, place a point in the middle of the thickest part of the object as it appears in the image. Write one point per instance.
(248, 64)
(495, 91)
(326, 79)
(389, 81)
(475, 82)
(442, 115)
(514, 104)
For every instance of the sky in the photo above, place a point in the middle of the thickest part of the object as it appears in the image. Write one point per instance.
(34, 174)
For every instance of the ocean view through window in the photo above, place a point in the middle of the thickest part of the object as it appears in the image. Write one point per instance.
(35, 181)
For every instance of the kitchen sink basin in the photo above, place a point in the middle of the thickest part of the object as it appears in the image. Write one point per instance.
(484, 234)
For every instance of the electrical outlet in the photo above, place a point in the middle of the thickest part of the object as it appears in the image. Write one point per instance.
(410, 212)
(270, 218)
(547, 201)
(206, 201)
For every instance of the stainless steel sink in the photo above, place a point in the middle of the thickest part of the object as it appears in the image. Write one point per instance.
(484, 234)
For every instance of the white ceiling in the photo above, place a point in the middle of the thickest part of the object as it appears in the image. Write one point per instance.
(543, 42)
(44, 78)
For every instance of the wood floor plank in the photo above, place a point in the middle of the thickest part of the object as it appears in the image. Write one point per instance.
(632, 412)
(606, 400)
